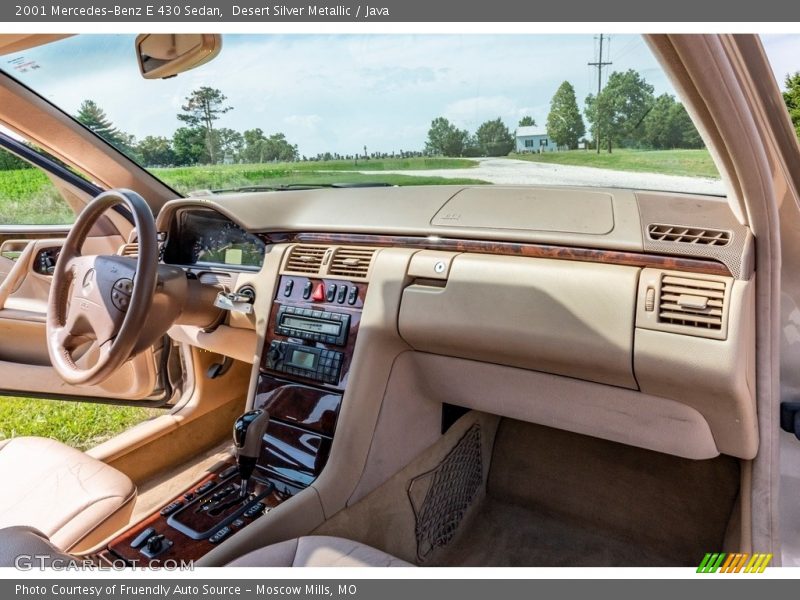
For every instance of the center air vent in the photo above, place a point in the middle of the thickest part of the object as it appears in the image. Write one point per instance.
(130, 250)
(352, 263)
(688, 235)
(305, 259)
(697, 303)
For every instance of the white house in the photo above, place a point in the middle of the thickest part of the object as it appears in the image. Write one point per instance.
(535, 139)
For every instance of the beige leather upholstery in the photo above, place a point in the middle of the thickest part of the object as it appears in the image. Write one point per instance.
(318, 551)
(19, 544)
(75, 500)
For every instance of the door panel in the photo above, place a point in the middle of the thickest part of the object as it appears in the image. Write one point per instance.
(24, 289)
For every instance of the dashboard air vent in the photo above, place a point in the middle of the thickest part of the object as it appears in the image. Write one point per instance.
(130, 250)
(688, 235)
(351, 262)
(305, 259)
(688, 302)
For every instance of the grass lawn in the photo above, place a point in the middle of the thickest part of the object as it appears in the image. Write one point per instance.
(27, 196)
(695, 163)
(214, 177)
(81, 425)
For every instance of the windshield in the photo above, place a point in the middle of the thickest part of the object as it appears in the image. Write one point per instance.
(298, 110)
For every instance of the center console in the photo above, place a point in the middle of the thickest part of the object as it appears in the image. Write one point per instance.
(303, 373)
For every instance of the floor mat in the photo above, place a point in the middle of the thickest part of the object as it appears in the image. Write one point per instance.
(507, 535)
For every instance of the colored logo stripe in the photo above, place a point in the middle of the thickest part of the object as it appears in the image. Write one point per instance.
(734, 562)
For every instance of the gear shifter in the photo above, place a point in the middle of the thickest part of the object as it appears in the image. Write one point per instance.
(248, 431)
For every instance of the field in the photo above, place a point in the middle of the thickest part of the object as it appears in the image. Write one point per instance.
(216, 177)
(696, 163)
(77, 424)
(28, 196)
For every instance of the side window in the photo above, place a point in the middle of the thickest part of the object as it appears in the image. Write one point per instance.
(27, 196)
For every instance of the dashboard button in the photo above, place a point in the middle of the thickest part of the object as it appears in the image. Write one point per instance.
(340, 297)
(307, 290)
(331, 292)
(142, 537)
(228, 472)
(220, 535)
(353, 296)
(287, 289)
(319, 293)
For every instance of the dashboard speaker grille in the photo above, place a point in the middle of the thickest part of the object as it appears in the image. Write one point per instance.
(688, 235)
(305, 259)
(353, 263)
(696, 303)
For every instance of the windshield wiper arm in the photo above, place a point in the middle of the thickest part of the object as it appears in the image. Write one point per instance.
(300, 186)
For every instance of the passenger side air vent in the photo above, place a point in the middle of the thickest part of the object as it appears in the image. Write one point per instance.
(305, 259)
(130, 250)
(697, 303)
(351, 262)
(688, 235)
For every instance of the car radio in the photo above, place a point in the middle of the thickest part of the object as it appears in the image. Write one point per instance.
(305, 361)
(315, 325)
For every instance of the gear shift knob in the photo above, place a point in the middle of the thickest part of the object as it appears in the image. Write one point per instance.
(248, 431)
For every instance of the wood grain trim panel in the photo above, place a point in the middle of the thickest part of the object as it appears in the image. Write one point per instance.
(617, 257)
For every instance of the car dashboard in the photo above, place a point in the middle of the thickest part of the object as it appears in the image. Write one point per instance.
(619, 314)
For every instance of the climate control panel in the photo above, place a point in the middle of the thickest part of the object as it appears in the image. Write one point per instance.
(306, 361)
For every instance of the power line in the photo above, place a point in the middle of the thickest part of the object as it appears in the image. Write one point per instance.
(599, 65)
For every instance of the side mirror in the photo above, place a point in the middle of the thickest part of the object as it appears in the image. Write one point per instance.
(164, 55)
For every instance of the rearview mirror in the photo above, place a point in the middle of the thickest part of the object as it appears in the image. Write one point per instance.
(163, 55)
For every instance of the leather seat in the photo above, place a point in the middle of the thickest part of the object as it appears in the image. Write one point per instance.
(72, 498)
(318, 551)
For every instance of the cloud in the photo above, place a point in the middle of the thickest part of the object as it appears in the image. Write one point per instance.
(310, 122)
(471, 112)
(336, 93)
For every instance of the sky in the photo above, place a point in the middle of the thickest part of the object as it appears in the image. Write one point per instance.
(338, 93)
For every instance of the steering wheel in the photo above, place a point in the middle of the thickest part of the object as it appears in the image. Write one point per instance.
(99, 304)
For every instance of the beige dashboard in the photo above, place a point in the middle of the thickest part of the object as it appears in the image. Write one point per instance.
(627, 315)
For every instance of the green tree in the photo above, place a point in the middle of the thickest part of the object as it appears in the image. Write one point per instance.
(228, 143)
(12, 162)
(564, 122)
(189, 146)
(494, 138)
(254, 146)
(667, 125)
(445, 138)
(94, 118)
(527, 121)
(204, 106)
(258, 148)
(690, 137)
(156, 151)
(276, 147)
(792, 99)
(616, 113)
(471, 147)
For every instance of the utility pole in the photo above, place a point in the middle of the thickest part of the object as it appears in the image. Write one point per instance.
(599, 64)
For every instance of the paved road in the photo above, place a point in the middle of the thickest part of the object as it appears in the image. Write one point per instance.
(511, 171)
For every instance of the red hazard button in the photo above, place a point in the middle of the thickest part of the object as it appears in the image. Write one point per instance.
(319, 293)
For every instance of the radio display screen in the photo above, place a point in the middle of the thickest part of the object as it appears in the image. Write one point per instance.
(303, 359)
(311, 325)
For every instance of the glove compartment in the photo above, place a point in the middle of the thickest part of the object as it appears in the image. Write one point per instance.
(555, 316)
